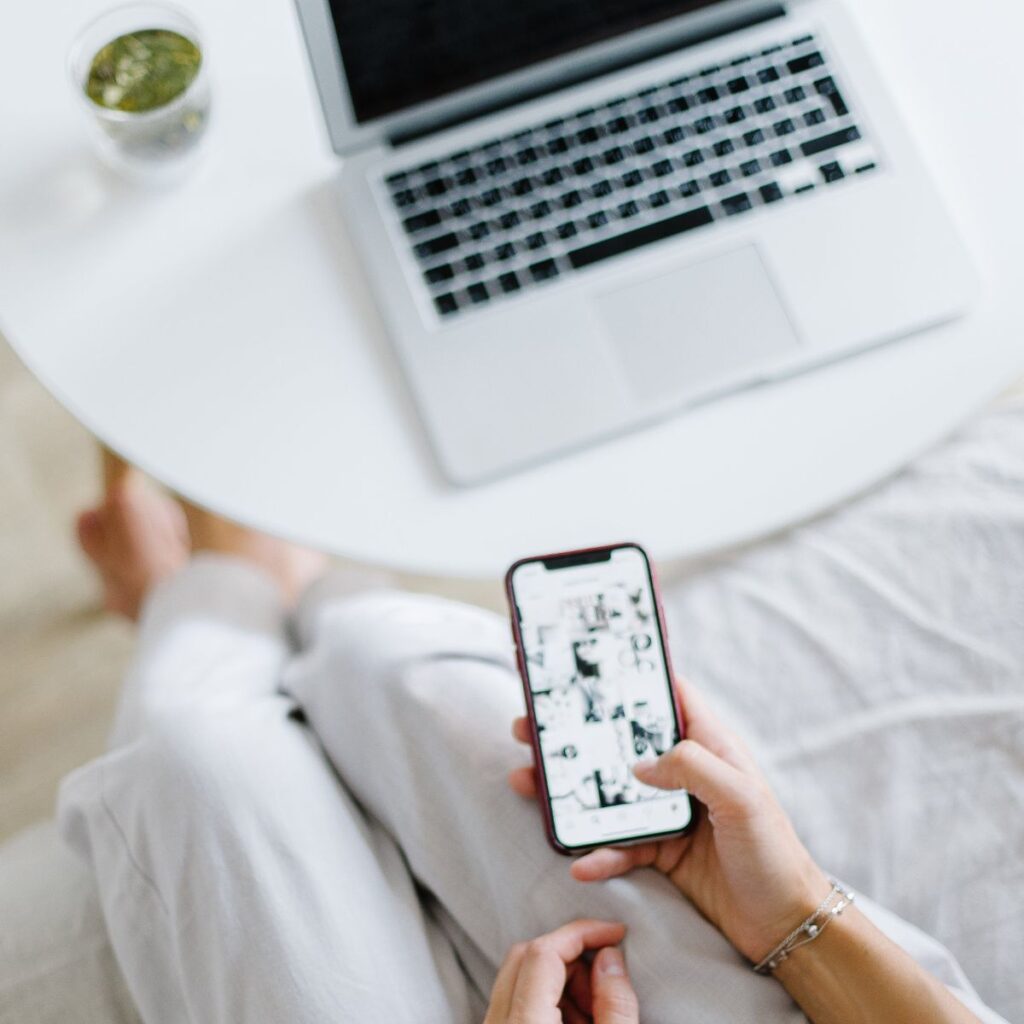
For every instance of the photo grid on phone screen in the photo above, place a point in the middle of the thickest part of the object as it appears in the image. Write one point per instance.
(601, 700)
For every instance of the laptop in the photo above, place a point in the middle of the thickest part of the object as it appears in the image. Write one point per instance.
(579, 218)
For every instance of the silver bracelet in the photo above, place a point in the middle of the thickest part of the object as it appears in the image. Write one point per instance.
(838, 899)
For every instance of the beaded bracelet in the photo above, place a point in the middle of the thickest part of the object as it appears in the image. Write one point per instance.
(827, 911)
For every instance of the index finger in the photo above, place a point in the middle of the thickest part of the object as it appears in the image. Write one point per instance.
(542, 973)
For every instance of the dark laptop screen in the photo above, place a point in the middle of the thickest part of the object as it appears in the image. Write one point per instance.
(401, 52)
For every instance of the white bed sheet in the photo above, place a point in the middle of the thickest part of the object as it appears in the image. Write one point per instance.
(876, 658)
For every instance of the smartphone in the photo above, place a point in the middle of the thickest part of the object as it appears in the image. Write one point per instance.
(590, 638)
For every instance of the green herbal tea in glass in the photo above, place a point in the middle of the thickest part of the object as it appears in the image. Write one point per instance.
(141, 72)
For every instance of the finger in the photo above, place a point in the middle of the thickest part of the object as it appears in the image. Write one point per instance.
(571, 1014)
(115, 469)
(691, 766)
(521, 729)
(505, 983)
(89, 528)
(578, 988)
(610, 862)
(615, 1000)
(542, 974)
(523, 781)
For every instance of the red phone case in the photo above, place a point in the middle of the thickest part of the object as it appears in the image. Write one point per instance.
(545, 802)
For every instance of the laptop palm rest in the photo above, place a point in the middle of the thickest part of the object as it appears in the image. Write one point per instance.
(697, 326)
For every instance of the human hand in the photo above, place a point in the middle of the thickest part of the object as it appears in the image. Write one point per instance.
(743, 866)
(548, 981)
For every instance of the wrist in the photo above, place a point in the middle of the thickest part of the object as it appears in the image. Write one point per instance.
(792, 905)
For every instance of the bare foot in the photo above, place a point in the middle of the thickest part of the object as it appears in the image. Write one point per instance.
(137, 537)
(292, 567)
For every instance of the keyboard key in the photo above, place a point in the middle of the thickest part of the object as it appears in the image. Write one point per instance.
(552, 176)
(438, 245)
(583, 166)
(708, 94)
(864, 168)
(780, 158)
(660, 198)
(673, 136)
(526, 156)
(809, 187)
(765, 105)
(724, 148)
(814, 117)
(446, 304)
(645, 235)
(496, 166)
(615, 155)
(397, 179)
(631, 179)
(628, 209)
(689, 189)
(643, 145)
(536, 241)
(544, 271)
(479, 230)
(648, 115)
(750, 168)
(704, 125)
(805, 63)
(735, 115)
(405, 197)
(540, 210)
(831, 141)
(693, 158)
(662, 168)
(522, 187)
(736, 204)
(442, 272)
(566, 230)
(597, 219)
(428, 170)
(422, 221)
(461, 208)
(754, 138)
(490, 198)
(618, 125)
(505, 251)
(436, 187)
(770, 193)
(474, 261)
(557, 145)
(738, 85)
(679, 104)
(478, 292)
(600, 189)
(767, 75)
(509, 220)
(467, 176)
(796, 94)
(831, 172)
(509, 282)
(571, 199)
(827, 87)
(720, 178)
(587, 136)
(785, 127)
(802, 40)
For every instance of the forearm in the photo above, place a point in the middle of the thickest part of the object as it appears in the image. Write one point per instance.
(853, 974)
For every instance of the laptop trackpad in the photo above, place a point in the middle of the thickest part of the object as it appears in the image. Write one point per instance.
(698, 326)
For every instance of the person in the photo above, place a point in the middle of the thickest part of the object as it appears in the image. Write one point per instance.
(303, 816)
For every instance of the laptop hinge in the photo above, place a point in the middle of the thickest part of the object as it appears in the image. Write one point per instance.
(736, 23)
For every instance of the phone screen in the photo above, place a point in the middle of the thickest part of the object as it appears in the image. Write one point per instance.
(601, 692)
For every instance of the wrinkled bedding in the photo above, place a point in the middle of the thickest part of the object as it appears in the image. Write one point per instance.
(875, 658)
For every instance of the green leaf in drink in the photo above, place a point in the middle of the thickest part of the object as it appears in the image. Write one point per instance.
(142, 70)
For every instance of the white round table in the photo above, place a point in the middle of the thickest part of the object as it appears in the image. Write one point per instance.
(220, 334)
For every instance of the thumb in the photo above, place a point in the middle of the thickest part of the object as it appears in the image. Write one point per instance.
(614, 1001)
(692, 767)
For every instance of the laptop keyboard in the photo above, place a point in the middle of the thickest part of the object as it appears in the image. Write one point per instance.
(526, 209)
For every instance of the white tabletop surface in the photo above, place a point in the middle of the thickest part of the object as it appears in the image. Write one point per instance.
(220, 334)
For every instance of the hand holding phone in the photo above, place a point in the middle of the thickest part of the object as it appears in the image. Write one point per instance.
(742, 864)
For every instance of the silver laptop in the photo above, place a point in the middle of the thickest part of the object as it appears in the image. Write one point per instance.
(578, 218)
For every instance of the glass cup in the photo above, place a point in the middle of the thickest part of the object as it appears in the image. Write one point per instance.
(155, 145)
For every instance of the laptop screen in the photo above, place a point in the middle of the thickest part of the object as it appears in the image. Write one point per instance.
(398, 53)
